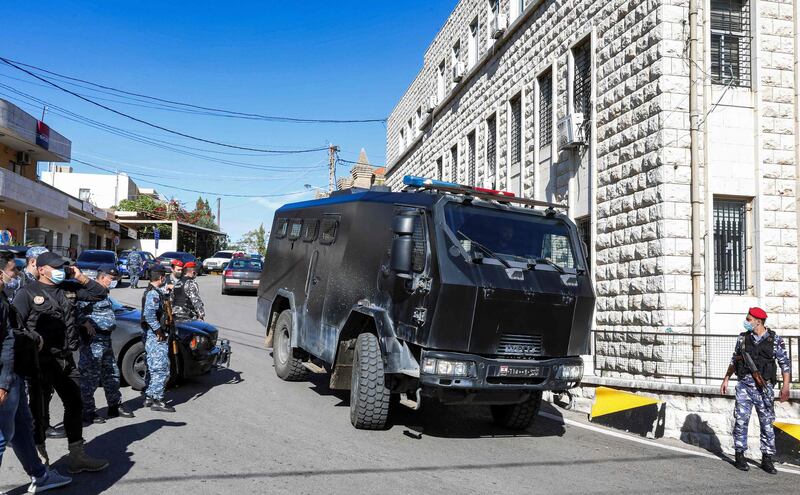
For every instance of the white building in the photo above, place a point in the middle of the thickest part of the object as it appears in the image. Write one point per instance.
(499, 102)
(101, 190)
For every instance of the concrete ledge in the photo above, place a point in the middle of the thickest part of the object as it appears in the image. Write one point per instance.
(659, 386)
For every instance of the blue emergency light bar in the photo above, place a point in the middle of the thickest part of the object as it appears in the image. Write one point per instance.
(414, 181)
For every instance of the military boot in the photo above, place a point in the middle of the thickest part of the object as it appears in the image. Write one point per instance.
(90, 417)
(767, 465)
(161, 406)
(119, 410)
(741, 462)
(78, 461)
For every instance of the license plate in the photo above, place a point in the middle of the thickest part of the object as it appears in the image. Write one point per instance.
(246, 283)
(519, 371)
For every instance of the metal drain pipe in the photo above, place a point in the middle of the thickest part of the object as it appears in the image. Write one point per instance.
(696, 198)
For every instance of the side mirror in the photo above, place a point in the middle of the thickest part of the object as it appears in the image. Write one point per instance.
(402, 246)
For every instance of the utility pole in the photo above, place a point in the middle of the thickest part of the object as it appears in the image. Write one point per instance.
(332, 150)
(219, 219)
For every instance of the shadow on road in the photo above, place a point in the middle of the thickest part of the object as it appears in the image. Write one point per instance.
(697, 432)
(439, 420)
(195, 387)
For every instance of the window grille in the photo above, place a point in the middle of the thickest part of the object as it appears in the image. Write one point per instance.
(585, 234)
(310, 230)
(419, 251)
(471, 159)
(295, 229)
(730, 247)
(545, 109)
(283, 226)
(730, 42)
(327, 230)
(582, 81)
(491, 145)
(516, 131)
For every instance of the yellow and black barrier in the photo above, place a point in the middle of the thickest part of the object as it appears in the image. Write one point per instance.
(628, 411)
(787, 441)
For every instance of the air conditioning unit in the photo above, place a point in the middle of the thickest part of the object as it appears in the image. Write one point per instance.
(23, 158)
(433, 102)
(458, 72)
(499, 25)
(570, 131)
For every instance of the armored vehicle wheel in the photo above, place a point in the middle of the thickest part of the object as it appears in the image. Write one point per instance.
(369, 397)
(518, 416)
(287, 366)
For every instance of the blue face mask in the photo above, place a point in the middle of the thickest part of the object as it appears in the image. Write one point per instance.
(57, 276)
(13, 284)
(748, 326)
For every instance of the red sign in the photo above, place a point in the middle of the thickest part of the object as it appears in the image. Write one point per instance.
(42, 135)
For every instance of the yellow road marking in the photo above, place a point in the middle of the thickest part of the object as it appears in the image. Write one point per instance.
(607, 401)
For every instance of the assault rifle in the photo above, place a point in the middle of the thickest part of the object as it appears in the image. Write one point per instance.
(762, 384)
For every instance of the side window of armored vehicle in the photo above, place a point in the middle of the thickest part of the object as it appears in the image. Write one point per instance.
(310, 229)
(283, 226)
(295, 226)
(327, 230)
(558, 249)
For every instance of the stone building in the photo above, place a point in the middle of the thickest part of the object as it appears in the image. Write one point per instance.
(586, 103)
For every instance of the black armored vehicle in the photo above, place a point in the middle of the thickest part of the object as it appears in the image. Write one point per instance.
(442, 291)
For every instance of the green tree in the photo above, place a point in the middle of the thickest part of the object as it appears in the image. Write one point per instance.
(253, 241)
(141, 204)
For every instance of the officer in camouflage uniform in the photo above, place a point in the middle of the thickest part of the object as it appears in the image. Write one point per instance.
(134, 267)
(97, 364)
(156, 341)
(186, 302)
(764, 347)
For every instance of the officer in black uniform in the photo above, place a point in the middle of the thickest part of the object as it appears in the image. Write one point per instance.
(44, 310)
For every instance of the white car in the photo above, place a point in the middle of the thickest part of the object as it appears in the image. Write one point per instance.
(217, 262)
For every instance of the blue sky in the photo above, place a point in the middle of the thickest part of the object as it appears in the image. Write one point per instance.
(314, 59)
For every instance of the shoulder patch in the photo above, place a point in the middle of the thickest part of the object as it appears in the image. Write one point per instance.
(38, 299)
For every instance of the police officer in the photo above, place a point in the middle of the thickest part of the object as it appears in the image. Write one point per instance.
(29, 273)
(764, 347)
(186, 302)
(43, 308)
(134, 267)
(97, 363)
(156, 342)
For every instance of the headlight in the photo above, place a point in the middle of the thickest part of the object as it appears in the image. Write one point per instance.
(444, 367)
(197, 341)
(570, 372)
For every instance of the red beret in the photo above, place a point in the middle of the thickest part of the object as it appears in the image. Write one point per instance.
(758, 313)
(176, 262)
(190, 264)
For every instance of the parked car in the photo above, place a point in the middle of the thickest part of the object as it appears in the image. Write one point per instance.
(217, 262)
(148, 261)
(165, 259)
(91, 259)
(241, 274)
(199, 348)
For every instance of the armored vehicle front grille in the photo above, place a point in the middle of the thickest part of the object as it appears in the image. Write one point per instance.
(510, 344)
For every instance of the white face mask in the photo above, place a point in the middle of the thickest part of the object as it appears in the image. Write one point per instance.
(112, 284)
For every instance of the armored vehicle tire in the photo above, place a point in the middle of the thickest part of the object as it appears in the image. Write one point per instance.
(369, 397)
(518, 416)
(287, 366)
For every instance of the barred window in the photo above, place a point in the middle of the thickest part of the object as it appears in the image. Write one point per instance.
(283, 227)
(419, 251)
(471, 158)
(585, 234)
(327, 230)
(730, 42)
(582, 80)
(545, 109)
(516, 131)
(310, 229)
(295, 228)
(730, 246)
(491, 146)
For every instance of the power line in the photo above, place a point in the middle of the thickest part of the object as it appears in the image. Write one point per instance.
(147, 123)
(216, 111)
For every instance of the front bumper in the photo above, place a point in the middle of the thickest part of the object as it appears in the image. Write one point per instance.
(495, 380)
(197, 363)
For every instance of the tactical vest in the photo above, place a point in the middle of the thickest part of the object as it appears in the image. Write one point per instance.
(763, 355)
(179, 298)
(159, 312)
(101, 313)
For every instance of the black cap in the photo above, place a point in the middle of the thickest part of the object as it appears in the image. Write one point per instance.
(108, 269)
(159, 269)
(50, 259)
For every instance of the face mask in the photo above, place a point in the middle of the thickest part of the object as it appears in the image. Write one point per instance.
(57, 276)
(12, 283)
(748, 326)
(112, 284)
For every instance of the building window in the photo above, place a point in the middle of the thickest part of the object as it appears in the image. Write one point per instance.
(410, 130)
(517, 7)
(440, 82)
(84, 194)
(493, 12)
(419, 120)
(454, 163)
(585, 235)
(491, 148)
(471, 158)
(472, 49)
(730, 246)
(402, 140)
(730, 42)
(516, 131)
(545, 109)
(439, 169)
(582, 82)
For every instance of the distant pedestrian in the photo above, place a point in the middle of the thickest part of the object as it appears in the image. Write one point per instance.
(97, 362)
(134, 267)
(761, 346)
(156, 341)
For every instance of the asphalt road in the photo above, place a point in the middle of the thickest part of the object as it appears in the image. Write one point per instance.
(243, 430)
